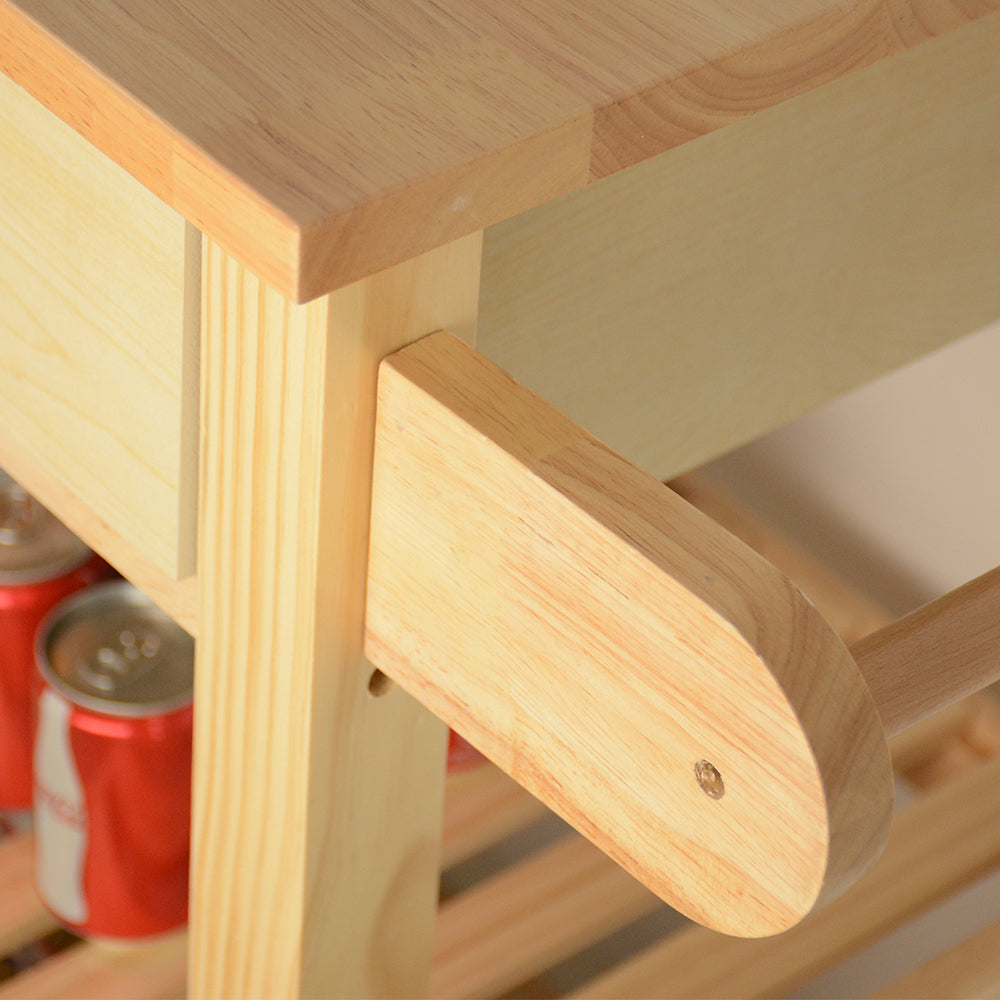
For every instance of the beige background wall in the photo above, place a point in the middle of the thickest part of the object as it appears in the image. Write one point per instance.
(899, 483)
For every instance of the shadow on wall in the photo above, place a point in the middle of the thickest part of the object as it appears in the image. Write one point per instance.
(898, 484)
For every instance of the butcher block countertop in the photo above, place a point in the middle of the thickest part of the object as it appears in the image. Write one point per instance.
(325, 141)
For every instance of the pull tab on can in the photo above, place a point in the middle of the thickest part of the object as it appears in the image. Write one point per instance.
(110, 649)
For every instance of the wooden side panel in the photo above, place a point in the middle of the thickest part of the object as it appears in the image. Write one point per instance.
(318, 807)
(722, 289)
(99, 291)
(612, 649)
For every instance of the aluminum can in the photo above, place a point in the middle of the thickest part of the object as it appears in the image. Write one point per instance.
(41, 562)
(113, 765)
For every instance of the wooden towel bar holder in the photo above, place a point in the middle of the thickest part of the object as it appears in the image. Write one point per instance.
(645, 674)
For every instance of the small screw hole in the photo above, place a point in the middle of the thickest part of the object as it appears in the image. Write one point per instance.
(709, 779)
(379, 684)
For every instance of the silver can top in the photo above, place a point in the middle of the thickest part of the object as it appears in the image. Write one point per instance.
(34, 544)
(110, 649)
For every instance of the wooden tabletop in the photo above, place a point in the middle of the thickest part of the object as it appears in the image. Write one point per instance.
(323, 140)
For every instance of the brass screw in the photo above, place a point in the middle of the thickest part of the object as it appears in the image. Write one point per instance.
(709, 779)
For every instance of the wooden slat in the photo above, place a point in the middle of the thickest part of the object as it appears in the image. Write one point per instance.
(94, 972)
(935, 655)
(601, 640)
(940, 843)
(99, 298)
(481, 807)
(970, 969)
(506, 930)
(317, 806)
(703, 298)
(23, 919)
(344, 138)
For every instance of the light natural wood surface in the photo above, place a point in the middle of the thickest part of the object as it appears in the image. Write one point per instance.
(940, 843)
(317, 806)
(179, 598)
(703, 298)
(99, 292)
(93, 972)
(507, 929)
(23, 919)
(600, 640)
(323, 142)
(935, 655)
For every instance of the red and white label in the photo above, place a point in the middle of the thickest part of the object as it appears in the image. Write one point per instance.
(60, 813)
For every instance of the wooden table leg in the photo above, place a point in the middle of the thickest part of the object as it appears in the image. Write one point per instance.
(317, 805)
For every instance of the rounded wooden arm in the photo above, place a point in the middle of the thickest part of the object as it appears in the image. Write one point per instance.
(644, 673)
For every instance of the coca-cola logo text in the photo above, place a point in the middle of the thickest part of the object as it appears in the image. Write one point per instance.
(68, 813)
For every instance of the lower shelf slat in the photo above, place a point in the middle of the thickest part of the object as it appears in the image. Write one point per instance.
(23, 919)
(970, 969)
(516, 925)
(94, 972)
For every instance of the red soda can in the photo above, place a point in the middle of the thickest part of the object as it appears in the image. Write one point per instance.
(113, 765)
(41, 562)
(462, 755)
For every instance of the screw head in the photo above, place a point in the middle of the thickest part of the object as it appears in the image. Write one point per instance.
(709, 779)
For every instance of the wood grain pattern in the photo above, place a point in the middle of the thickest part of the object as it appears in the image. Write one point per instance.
(179, 598)
(769, 267)
(935, 655)
(321, 143)
(99, 292)
(940, 843)
(597, 637)
(317, 806)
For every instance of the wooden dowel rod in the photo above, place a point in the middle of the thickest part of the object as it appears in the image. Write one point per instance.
(934, 656)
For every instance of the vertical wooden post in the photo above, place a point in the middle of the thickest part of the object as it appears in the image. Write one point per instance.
(317, 805)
